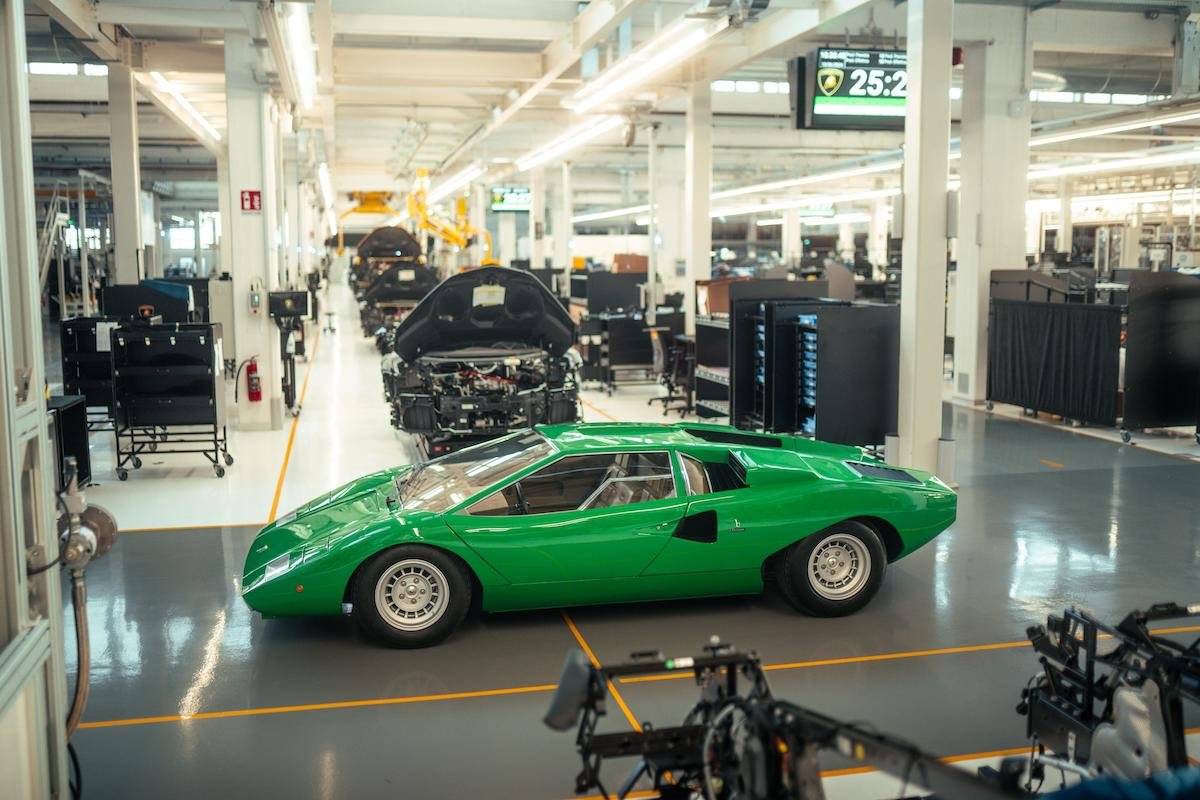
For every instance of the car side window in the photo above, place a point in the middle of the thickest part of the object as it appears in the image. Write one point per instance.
(634, 478)
(696, 475)
(499, 503)
(565, 484)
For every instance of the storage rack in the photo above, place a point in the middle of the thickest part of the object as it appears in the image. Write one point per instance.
(87, 365)
(712, 365)
(846, 372)
(168, 393)
(617, 350)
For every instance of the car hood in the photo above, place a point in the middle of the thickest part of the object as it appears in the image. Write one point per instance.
(389, 242)
(355, 505)
(486, 307)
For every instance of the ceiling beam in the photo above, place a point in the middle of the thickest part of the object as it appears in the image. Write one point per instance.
(448, 27)
(187, 16)
(590, 28)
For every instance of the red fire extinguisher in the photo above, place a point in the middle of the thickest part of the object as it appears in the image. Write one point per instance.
(253, 382)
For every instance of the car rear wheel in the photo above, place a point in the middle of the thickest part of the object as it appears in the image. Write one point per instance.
(834, 572)
(411, 596)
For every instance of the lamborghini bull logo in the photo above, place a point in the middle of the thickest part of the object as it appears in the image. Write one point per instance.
(829, 80)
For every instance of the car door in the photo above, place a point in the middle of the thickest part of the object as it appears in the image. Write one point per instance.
(717, 531)
(583, 517)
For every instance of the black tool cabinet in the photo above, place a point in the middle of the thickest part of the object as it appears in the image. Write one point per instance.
(763, 362)
(846, 373)
(616, 346)
(168, 393)
(69, 436)
(87, 365)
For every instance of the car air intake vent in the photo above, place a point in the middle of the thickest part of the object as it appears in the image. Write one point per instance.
(738, 468)
(727, 437)
(878, 471)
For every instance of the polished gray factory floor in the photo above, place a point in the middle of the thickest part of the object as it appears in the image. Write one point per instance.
(193, 696)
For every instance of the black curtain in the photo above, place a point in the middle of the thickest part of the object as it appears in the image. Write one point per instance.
(1055, 357)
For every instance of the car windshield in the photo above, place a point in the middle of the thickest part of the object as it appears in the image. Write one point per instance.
(446, 481)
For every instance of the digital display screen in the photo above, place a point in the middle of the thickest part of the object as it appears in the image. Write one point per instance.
(852, 88)
(511, 198)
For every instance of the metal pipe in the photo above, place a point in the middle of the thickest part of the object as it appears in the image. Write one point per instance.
(83, 648)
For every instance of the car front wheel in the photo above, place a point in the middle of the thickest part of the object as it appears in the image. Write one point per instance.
(411, 596)
(833, 572)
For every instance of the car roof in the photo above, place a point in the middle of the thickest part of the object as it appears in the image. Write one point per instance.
(591, 436)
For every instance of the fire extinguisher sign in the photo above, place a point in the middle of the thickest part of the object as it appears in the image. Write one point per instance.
(251, 200)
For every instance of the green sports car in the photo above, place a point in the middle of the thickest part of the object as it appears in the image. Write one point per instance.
(575, 514)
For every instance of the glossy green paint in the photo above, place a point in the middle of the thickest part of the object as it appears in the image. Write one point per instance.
(620, 554)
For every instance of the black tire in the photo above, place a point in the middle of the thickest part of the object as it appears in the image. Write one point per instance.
(228, 460)
(122, 475)
(137, 462)
(432, 570)
(219, 470)
(799, 584)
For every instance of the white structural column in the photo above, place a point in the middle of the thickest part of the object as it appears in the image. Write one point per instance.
(696, 190)
(922, 291)
(671, 244)
(85, 277)
(792, 238)
(305, 230)
(126, 174)
(1066, 223)
(507, 246)
(291, 222)
(224, 244)
(254, 265)
(995, 152)
(845, 242)
(877, 235)
(537, 217)
(564, 229)
(197, 245)
(478, 220)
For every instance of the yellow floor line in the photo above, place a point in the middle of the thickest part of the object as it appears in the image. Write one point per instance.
(601, 412)
(381, 701)
(633, 721)
(833, 662)
(1050, 463)
(287, 453)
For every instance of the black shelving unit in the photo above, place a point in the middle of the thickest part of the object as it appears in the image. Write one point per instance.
(87, 365)
(846, 373)
(168, 395)
(617, 350)
(763, 361)
(712, 365)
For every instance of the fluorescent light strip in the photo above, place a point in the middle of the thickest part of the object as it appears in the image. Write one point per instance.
(614, 213)
(573, 138)
(1116, 165)
(170, 89)
(805, 202)
(670, 46)
(807, 180)
(300, 47)
(452, 185)
(325, 183)
(1121, 127)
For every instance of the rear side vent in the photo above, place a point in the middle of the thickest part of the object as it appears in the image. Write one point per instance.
(728, 437)
(739, 469)
(878, 471)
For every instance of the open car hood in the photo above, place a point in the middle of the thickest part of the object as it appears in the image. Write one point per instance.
(389, 242)
(486, 307)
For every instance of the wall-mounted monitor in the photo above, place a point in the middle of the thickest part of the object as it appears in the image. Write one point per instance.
(511, 198)
(853, 88)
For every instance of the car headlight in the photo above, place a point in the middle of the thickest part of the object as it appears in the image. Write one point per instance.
(276, 567)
